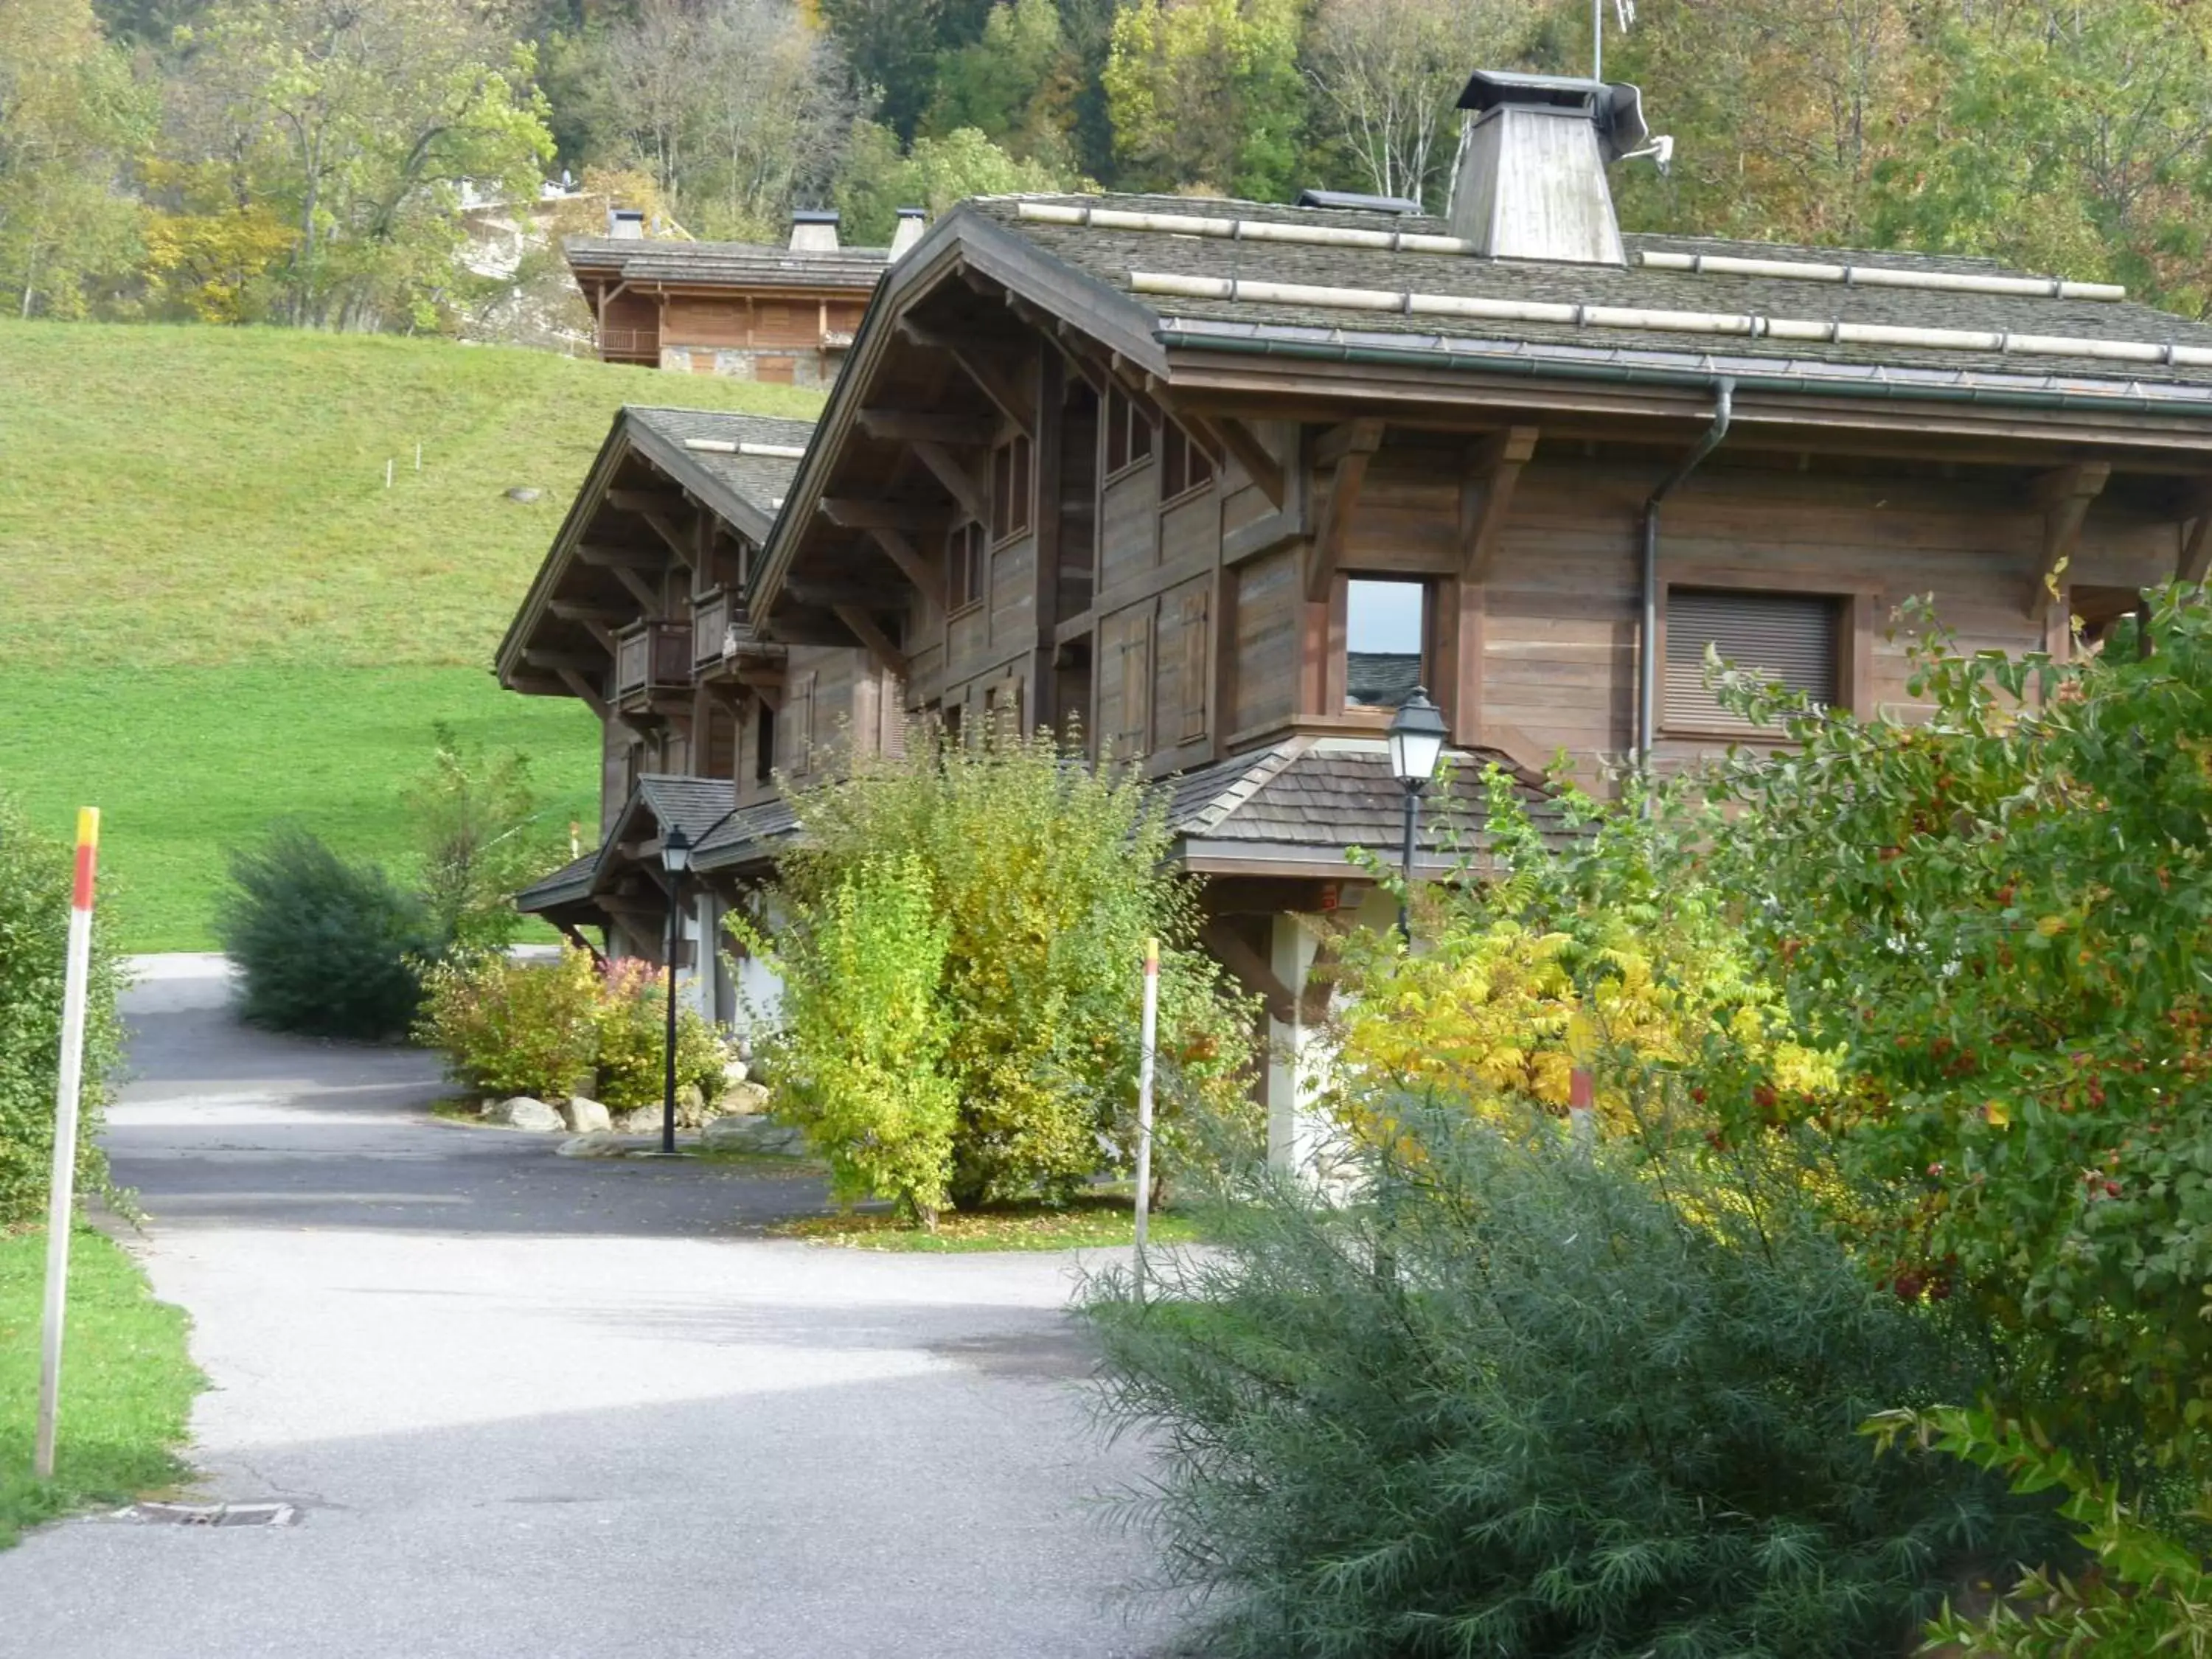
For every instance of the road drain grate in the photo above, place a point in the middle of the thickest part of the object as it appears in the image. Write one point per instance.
(213, 1515)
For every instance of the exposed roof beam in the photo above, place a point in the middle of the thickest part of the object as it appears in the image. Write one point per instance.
(864, 512)
(585, 690)
(1252, 455)
(606, 556)
(1486, 494)
(979, 360)
(1351, 445)
(888, 656)
(685, 548)
(647, 500)
(959, 483)
(2064, 495)
(928, 425)
(912, 565)
(828, 596)
(641, 590)
(1077, 348)
(2195, 561)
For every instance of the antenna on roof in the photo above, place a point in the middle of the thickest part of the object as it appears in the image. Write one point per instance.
(1623, 9)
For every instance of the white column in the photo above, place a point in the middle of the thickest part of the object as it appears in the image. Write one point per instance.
(1296, 1060)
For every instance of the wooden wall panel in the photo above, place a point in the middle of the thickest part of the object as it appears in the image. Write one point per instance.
(1191, 528)
(1129, 526)
(1267, 615)
(1014, 596)
(691, 320)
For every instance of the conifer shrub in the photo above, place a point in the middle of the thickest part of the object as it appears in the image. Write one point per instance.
(324, 945)
(34, 909)
(1525, 1400)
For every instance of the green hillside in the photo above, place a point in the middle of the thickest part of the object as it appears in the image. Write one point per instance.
(213, 611)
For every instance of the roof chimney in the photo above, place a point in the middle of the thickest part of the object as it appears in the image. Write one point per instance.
(626, 224)
(912, 221)
(1531, 182)
(814, 230)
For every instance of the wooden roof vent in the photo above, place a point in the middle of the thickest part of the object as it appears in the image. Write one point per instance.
(1531, 182)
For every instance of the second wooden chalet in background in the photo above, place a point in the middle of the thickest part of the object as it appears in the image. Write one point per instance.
(1217, 482)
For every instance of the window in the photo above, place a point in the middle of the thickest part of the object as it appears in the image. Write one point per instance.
(1386, 631)
(1789, 638)
(967, 565)
(1010, 488)
(1183, 464)
(1128, 433)
(763, 742)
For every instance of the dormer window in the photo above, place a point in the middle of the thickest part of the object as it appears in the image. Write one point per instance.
(1011, 472)
(1128, 431)
(967, 565)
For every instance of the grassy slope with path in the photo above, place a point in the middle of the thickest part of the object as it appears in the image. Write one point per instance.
(216, 614)
(127, 1384)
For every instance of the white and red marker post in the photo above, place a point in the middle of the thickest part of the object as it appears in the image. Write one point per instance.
(1147, 1042)
(61, 1203)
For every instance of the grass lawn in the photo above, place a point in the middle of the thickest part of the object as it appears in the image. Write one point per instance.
(213, 613)
(127, 1384)
(1092, 1221)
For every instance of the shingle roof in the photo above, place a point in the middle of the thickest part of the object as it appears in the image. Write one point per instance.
(668, 436)
(732, 265)
(571, 882)
(1313, 796)
(1110, 256)
(698, 805)
(749, 837)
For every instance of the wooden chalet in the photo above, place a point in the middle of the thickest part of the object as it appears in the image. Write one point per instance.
(752, 311)
(1218, 481)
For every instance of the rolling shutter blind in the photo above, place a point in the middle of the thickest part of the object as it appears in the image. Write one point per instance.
(1787, 637)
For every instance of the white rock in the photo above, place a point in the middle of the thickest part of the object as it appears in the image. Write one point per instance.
(734, 1072)
(586, 1116)
(522, 1112)
(745, 1100)
(594, 1145)
(752, 1134)
(641, 1121)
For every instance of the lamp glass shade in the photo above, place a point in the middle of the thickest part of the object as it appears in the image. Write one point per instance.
(675, 850)
(1417, 739)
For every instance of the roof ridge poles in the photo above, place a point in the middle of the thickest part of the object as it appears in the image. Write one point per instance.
(1647, 660)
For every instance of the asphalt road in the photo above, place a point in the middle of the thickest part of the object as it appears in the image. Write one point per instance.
(531, 1406)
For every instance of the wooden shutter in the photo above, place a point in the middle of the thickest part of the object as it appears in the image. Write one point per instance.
(802, 724)
(1790, 638)
(1132, 741)
(1191, 619)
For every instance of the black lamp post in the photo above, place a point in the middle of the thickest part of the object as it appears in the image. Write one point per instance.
(675, 860)
(1417, 744)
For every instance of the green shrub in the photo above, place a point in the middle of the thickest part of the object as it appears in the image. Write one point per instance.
(35, 911)
(323, 945)
(477, 822)
(1526, 1402)
(861, 1006)
(631, 1039)
(513, 1028)
(1046, 878)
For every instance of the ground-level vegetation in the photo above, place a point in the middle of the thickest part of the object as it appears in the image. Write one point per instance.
(1722, 1199)
(127, 1382)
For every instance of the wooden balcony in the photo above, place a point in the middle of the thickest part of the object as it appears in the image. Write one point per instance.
(652, 656)
(710, 625)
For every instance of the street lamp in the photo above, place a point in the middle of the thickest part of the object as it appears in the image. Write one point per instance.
(1417, 744)
(674, 858)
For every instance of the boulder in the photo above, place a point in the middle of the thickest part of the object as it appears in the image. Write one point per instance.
(522, 1112)
(690, 1107)
(743, 1100)
(594, 1145)
(733, 1073)
(639, 1120)
(751, 1134)
(586, 1116)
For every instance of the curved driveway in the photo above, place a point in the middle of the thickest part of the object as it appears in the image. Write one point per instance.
(532, 1405)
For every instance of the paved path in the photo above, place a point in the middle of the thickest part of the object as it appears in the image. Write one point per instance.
(543, 1406)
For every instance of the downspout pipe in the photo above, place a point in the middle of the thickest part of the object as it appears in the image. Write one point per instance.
(1647, 687)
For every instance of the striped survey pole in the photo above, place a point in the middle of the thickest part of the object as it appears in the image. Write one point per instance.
(1146, 1043)
(62, 1206)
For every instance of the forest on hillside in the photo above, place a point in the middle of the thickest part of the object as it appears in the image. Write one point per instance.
(302, 161)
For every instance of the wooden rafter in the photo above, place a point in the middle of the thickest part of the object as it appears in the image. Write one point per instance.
(1347, 449)
(1486, 494)
(981, 362)
(959, 483)
(1075, 346)
(1258, 461)
(2194, 563)
(586, 691)
(888, 656)
(869, 513)
(608, 556)
(2064, 495)
(640, 589)
(646, 500)
(684, 547)
(915, 567)
(928, 425)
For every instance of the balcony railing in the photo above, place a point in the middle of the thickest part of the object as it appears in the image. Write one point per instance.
(652, 656)
(630, 343)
